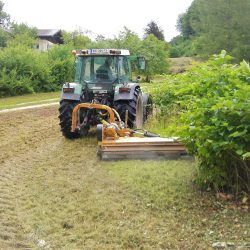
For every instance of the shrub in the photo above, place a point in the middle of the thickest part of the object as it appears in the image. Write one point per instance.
(25, 70)
(213, 101)
(61, 62)
(10, 85)
(23, 66)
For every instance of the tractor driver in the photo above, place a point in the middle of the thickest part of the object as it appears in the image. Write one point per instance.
(104, 71)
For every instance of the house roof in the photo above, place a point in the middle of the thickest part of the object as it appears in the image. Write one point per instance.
(52, 35)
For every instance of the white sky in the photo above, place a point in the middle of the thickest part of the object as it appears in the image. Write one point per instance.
(106, 17)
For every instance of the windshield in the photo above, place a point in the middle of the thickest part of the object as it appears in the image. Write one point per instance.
(91, 70)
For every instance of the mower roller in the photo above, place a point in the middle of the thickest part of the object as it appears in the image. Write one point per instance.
(117, 141)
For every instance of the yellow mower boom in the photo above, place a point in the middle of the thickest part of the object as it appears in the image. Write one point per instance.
(116, 141)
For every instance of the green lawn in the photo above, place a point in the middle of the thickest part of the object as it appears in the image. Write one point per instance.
(27, 100)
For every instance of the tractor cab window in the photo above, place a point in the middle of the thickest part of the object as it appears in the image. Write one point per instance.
(124, 70)
(102, 69)
(105, 68)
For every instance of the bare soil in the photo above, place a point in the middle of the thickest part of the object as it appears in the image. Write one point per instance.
(56, 194)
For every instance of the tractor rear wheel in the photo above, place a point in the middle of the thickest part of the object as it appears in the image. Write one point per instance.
(65, 116)
(134, 107)
(148, 108)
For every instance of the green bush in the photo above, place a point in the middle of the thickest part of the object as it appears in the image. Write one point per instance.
(213, 100)
(10, 85)
(61, 63)
(25, 70)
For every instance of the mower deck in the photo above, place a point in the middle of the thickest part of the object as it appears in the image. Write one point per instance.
(141, 148)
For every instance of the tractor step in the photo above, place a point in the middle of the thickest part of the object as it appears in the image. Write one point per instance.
(141, 148)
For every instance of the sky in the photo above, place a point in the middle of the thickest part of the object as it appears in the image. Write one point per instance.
(105, 17)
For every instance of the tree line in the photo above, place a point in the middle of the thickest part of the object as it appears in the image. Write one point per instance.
(207, 27)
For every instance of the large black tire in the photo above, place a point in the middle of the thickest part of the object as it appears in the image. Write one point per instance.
(65, 116)
(148, 107)
(135, 110)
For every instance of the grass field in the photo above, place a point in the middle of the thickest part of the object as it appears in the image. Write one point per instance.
(56, 194)
(180, 64)
(28, 100)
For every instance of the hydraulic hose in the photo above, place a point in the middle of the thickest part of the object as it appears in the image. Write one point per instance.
(146, 133)
(118, 116)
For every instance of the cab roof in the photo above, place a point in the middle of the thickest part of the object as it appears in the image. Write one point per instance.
(104, 52)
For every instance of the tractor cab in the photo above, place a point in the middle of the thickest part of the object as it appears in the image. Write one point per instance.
(104, 66)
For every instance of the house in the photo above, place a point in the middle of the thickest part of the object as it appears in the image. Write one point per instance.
(48, 37)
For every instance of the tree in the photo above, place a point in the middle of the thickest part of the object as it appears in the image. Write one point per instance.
(100, 37)
(128, 39)
(4, 26)
(153, 28)
(225, 25)
(23, 35)
(76, 39)
(4, 17)
(156, 54)
(4, 37)
(215, 25)
(186, 22)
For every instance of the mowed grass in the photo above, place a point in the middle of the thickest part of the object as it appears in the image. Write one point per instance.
(178, 65)
(161, 185)
(57, 194)
(28, 100)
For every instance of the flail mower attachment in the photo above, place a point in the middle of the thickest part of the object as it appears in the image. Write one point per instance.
(116, 141)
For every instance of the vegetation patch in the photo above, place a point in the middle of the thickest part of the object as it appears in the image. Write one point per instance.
(211, 104)
(181, 64)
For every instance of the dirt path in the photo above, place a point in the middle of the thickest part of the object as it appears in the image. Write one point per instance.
(29, 107)
(56, 194)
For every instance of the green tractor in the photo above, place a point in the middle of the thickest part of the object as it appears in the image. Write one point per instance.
(103, 76)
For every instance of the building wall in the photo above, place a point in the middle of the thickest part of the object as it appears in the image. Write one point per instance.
(43, 45)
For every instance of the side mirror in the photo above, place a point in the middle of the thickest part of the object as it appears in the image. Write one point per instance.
(141, 62)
